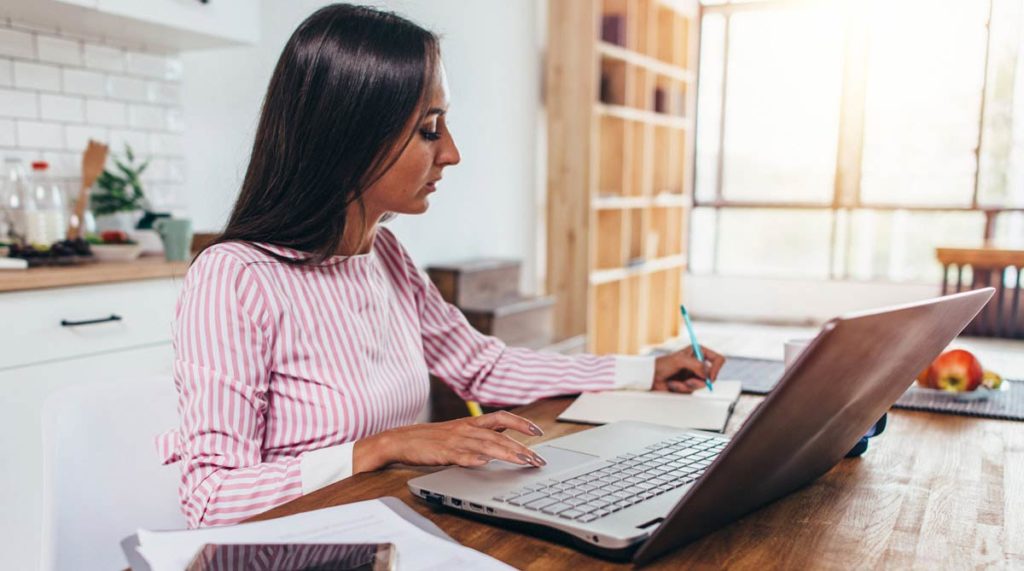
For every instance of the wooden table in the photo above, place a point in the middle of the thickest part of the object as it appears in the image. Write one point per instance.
(933, 492)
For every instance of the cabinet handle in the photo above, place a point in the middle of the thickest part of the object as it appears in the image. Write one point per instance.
(113, 317)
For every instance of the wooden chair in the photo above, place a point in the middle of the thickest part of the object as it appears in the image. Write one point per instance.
(1001, 269)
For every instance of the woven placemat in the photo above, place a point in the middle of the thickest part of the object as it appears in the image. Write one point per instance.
(1005, 405)
(759, 376)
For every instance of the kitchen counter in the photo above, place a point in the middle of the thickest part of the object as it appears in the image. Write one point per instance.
(144, 268)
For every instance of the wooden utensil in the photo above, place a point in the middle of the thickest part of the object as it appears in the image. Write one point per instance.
(93, 159)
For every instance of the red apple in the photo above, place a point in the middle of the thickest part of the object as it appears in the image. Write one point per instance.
(114, 236)
(955, 371)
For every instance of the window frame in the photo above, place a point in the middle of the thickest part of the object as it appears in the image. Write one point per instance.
(846, 194)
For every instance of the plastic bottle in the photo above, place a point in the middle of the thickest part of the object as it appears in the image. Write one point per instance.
(51, 205)
(5, 213)
(19, 203)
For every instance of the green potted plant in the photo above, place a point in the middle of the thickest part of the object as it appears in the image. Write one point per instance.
(119, 199)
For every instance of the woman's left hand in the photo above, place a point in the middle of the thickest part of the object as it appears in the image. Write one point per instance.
(681, 372)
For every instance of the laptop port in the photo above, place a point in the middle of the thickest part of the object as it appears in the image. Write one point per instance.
(432, 498)
(489, 510)
(456, 502)
(477, 507)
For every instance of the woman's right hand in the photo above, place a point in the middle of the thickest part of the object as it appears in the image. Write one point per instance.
(471, 441)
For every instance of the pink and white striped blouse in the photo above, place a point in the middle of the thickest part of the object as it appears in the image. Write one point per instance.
(280, 369)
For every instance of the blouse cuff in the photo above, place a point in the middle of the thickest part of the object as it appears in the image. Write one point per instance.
(326, 466)
(633, 372)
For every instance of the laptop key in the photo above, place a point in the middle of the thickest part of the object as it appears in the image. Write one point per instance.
(527, 498)
(586, 518)
(571, 514)
(539, 504)
(555, 508)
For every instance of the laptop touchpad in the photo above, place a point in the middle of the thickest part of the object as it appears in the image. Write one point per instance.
(560, 459)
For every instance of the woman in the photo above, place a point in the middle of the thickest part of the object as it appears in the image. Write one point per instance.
(305, 335)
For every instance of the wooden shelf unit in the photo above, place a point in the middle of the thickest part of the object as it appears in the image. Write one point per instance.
(621, 96)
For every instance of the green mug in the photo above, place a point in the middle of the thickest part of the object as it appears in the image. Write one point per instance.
(176, 234)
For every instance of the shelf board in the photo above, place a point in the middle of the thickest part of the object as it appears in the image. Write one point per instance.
(620, 53)
(664, 199)
(670, 199)
(598, 277)
(618, 202)
(632, 114)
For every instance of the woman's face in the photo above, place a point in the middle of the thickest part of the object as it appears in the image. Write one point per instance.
(406, 187)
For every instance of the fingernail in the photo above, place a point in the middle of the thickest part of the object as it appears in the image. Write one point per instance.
(526, 459)
(536, 430)
(485, 458)
(540, 460)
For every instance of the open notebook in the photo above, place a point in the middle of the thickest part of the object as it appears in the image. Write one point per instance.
(701, 410)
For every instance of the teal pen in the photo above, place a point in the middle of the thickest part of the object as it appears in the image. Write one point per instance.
(696, 346)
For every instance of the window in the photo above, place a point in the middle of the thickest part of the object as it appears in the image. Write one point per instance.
(847, 140)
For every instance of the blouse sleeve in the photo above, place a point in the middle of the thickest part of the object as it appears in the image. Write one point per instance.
(483, 368)
(222, 344)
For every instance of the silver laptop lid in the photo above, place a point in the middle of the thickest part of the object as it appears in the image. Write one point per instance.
(846, 379)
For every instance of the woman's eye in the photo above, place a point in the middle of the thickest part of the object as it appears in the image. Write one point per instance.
(430, 135)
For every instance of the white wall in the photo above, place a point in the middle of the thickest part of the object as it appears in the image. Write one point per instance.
(486, 206)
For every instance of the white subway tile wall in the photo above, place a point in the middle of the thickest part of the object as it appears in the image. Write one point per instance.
(40, 135)
(58, 50)
(7, 132)
(6, 75)
(102, 112)
(81, 82)
(16, 43)
(105, 58)
(61, 108)
(59, 90)
(36, 76)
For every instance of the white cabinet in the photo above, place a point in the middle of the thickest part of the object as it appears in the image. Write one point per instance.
(51, 324)
(167, 24)
(236, 20)
(86, 3)
(46, 359)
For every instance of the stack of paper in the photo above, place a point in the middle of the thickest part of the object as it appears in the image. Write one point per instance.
(364, 522)
(701, 410)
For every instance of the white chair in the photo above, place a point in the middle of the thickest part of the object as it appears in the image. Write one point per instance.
(102, 478)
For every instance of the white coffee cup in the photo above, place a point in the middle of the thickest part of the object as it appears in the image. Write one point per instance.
(792, 349)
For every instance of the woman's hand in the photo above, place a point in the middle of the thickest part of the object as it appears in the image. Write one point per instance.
(471, 441)
(681, 372)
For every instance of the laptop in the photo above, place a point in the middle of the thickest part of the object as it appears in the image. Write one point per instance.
(634, 490)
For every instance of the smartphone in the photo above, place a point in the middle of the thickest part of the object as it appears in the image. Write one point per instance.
(295, 557)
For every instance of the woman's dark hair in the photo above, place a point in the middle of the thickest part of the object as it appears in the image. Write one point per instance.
(337, 107)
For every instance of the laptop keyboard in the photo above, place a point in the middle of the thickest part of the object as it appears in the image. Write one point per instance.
(621, 482)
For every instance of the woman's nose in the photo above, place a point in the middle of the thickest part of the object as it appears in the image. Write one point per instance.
(449, 154)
